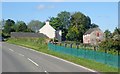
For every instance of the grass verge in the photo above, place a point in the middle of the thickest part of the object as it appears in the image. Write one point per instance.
(40, 45)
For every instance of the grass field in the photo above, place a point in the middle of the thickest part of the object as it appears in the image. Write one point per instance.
(40, 45)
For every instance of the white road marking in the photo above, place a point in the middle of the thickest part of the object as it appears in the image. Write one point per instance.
(63, 60)
(20, 54)
(11, 50)
(46, 72)
(33, 62)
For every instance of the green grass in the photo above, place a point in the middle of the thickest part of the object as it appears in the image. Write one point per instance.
(40, 45)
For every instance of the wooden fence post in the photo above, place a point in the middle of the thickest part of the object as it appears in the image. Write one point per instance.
(71, 45)
(60, 44)
(77, 46)
(65, 45)
(118, 52)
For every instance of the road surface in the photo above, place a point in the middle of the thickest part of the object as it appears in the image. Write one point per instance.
(20, 59)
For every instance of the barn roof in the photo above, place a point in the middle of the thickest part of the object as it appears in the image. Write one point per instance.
(91, 30)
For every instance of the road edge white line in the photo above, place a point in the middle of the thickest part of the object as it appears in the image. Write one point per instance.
(62, 59)
(33, 62)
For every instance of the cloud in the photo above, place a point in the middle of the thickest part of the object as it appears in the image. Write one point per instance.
(42, 7)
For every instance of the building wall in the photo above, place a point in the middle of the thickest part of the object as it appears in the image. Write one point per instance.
(86, 39)
(58, 35)
(93, 38)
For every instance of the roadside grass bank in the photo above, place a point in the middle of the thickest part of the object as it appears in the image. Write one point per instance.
(40, 45)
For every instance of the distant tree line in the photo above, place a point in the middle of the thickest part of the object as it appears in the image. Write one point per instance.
(9, 26)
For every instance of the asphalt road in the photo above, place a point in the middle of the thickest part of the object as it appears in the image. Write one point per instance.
(20, 59)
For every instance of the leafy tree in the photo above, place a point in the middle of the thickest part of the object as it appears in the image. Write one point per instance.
(88, 22)
(81, 23)
(111, 42)
(116, 31)
(61, 22)
(108, 34)
(9, 27)
(35, 25)
(64, 19)
(54, 23)
(73, 33)
(116, 39)
(93, 25)
(21, 26)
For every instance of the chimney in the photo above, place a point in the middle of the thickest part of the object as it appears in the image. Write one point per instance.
(47, 22)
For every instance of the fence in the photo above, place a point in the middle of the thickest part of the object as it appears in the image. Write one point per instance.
(101, 57)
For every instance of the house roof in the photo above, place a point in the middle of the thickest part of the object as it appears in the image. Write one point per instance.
(91, 30)
(46, 26)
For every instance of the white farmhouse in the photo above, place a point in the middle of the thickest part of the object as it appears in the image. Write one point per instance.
(50, 32)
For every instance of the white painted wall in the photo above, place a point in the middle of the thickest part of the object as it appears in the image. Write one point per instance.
(59, 35)
(86, 39)
(48, 30)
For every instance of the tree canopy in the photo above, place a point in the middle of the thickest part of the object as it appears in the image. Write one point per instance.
(21, 26)
(35, 25)
(61, 22)
(112, 40)
(9, 26)
(79, 24)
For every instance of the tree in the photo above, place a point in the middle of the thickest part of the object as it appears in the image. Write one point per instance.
(61, 22)
(21, 26)
(116, 31)
(72, 33)
(111, 42)
(35, 25)
(54, 23)
(9, 27)
(81, 23)
(64, 19)
(89, 22)
(108, 34)
(93, 25)
(116, 39)
(116, 34)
